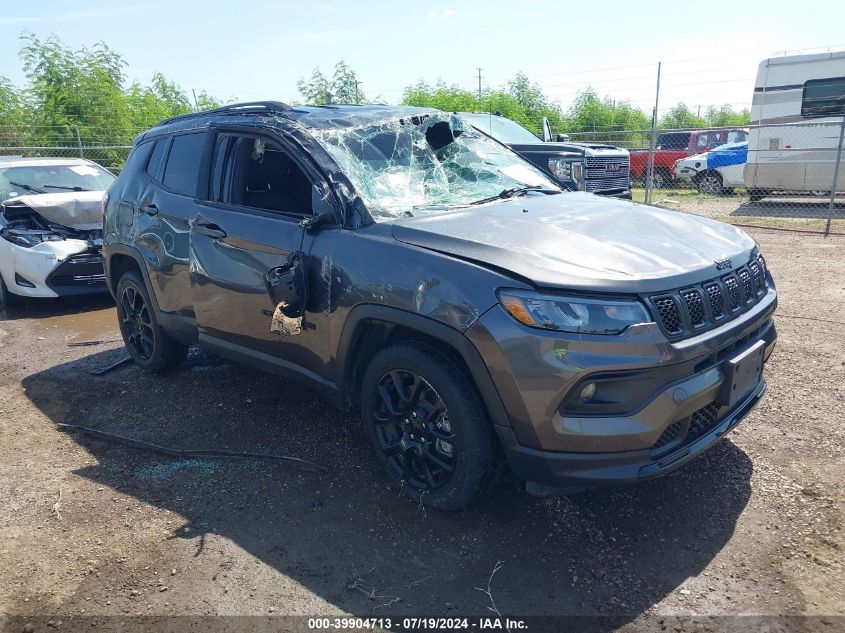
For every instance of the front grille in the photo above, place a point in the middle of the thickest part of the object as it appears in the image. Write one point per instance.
(606, 184)
(670, 317)
(747, 285)
(82, 270)
(695, 307)
(606, 173)
(714, 294)
(733, 291)
(689, 429)
(727, 297)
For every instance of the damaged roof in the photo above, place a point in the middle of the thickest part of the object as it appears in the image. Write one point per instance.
(344, 116)
(319, 117)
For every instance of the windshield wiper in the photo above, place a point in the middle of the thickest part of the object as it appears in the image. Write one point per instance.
(26, 187)
(66, 188)
(512, 192)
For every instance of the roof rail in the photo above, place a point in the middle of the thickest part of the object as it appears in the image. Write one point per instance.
(250, 107)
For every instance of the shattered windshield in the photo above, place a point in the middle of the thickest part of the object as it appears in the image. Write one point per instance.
(427, 164)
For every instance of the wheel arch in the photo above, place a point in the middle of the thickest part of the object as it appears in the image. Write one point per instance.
(120, 259)
(371, 327)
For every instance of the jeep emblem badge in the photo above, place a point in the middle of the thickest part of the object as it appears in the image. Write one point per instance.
(721, 264)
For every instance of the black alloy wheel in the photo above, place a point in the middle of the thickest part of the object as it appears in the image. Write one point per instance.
(414, 431)
(136, 324)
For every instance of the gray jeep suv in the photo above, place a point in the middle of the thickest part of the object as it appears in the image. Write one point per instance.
(400, 262)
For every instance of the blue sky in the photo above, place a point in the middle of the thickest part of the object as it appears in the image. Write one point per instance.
(259, 49)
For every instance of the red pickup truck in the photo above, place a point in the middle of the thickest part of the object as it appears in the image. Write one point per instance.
(672, 146)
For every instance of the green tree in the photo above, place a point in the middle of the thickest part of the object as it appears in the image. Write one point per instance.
(726, 116)
(680, 116)
(80, 95)
(520, 101)
(344, 86)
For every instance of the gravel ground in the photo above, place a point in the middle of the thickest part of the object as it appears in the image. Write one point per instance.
(90, 528)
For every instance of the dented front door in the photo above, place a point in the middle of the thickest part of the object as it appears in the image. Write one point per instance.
(232, 252)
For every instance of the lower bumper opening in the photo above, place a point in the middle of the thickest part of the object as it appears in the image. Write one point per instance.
(550, 470)
(79, 274)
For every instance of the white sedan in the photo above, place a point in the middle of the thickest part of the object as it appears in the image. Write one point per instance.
(715, 172)
(51, 225)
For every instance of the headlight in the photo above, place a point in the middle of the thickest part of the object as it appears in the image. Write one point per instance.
(28, 237)
(567, 170)
(561, 168)
(572, 314)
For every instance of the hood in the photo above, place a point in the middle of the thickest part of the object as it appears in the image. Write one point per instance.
(81, 210)
(580, 241)
(579, 149)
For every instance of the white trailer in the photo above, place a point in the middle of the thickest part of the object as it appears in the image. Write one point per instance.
(796, 113)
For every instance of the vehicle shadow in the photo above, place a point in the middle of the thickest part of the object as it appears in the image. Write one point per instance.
(29, 308)
(352, 540)
(789, 208)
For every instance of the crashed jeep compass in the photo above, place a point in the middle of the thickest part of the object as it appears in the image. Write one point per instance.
(403, 264)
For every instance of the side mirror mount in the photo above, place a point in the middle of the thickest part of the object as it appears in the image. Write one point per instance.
(288, 287)
(323, 211)
(547, 130)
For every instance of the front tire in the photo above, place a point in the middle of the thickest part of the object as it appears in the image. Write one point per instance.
(710, 184)
(146, 341)
(427, 426)
(6, 297)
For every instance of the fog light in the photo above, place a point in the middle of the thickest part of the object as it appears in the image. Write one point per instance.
(588, 392)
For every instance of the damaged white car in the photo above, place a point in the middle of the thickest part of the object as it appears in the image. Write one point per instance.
(51, 222)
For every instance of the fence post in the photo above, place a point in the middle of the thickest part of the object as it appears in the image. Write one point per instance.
(649, 177)
(79, 142)
(835, 178)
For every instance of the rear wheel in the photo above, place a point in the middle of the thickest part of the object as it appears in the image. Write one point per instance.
(147, 343)
(710, 183)
(427, 426)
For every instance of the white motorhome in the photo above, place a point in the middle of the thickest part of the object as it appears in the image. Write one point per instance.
(796, 113)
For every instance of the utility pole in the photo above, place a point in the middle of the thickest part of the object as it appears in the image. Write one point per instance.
(650, 169)
(479, 84)
(357, 91)
(196, 103)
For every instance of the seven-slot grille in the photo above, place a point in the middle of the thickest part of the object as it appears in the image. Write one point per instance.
(708, 304)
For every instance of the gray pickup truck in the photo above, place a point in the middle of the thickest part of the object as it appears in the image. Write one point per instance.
(593, 167)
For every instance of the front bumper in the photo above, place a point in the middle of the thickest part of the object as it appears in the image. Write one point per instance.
(52, 269)
(674, 413)
(684, 174)
(547, 471)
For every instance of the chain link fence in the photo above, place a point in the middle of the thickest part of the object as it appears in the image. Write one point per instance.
(788, 175)
(65, 142)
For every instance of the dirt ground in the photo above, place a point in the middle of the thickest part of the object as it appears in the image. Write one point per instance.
(799, 212)
(90, 528)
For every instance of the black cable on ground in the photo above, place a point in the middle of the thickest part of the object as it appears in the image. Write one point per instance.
(294, 462)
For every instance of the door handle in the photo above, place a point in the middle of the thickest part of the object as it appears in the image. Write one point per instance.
(211, 230)
(150, 209)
